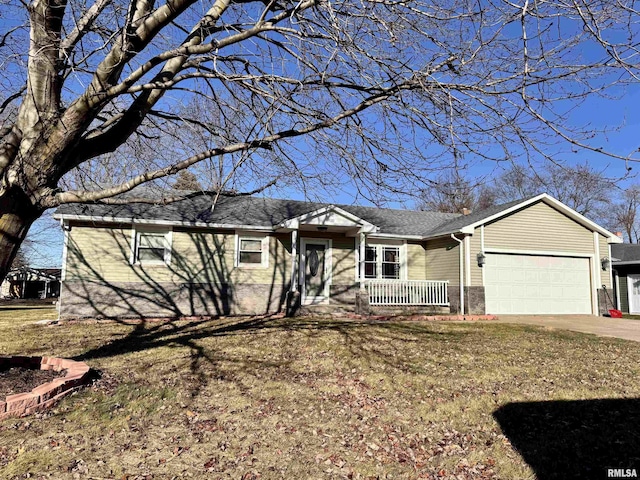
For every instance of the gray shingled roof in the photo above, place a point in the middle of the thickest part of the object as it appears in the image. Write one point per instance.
(267, 212)
(462, 221)
(625, 252)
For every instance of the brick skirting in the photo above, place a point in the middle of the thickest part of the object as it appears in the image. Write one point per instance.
(47, 394)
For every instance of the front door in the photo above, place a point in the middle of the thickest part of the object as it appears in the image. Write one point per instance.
(633, 286)
(315, 271)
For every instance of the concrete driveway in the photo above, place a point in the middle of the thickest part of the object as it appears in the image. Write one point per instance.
(602, 326)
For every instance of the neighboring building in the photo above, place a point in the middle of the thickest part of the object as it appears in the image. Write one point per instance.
(626, 270)
(31, 283)
(254, 255)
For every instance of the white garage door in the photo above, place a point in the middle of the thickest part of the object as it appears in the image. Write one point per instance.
(535, 284)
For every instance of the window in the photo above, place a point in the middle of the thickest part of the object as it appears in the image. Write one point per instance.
(252, 251)
(382, 261)
(370, 262)
(152, 247)
(391, 262)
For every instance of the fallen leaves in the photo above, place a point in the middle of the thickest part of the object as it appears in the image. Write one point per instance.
(308, 400)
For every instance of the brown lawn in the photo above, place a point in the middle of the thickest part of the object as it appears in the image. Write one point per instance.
(297, 399)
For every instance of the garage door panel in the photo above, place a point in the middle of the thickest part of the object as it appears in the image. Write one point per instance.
(536, 284)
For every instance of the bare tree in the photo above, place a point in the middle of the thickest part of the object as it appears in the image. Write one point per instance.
(624, 214)
(581, 187)
(384, 91)
(452, 193)
(20, 260)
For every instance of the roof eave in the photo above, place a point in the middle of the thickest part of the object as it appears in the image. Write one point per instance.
(570, 212)
(395, 236)
(164, 223)
(628, 262)
(463, 231)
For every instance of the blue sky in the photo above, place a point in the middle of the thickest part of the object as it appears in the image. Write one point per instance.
(619, 115)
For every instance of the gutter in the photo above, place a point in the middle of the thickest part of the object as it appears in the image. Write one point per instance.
(224, 226)
(461, 274)
(173, 223)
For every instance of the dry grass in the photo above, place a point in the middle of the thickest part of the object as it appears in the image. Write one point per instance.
(295, 398)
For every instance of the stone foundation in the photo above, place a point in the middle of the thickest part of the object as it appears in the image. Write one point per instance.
(343, 294)
(362, 302)
(474, 300)
(85, 299)
(293, 303)
(604, 305)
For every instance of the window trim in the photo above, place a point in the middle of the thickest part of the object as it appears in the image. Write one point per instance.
(265, 239)
(379, 245)
(375, 263)
(135, 244)
(382, 262)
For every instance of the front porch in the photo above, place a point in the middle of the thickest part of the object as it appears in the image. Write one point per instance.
(340, 263)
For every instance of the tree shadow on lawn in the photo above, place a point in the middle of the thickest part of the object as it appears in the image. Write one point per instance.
(361, 340)
(574, 439)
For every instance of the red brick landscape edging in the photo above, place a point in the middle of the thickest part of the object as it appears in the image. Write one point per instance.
(47, 394)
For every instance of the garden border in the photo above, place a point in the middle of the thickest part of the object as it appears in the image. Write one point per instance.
(47, 394)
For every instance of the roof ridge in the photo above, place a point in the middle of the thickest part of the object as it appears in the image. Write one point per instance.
(344, 205)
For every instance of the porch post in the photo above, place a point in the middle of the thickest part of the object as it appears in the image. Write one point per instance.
(361, 254)
(294, 260)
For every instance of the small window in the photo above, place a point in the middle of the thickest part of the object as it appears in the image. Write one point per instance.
(152, 247)
(252, 251)
(370, 262)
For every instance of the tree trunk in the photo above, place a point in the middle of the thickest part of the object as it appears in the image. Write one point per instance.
(17, 213)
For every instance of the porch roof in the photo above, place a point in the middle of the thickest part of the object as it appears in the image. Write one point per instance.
(625, 254)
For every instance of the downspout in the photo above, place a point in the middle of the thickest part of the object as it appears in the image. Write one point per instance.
(461, 274)
(63, 272)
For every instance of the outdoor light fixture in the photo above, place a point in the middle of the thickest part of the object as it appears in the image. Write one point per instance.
(323, 229)
(481, 259)
(605, 263)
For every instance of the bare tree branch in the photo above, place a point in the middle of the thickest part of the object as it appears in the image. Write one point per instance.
(382, 94)
(82, 28)
(78, 197)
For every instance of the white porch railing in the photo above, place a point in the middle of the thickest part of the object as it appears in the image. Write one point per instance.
(407, 292)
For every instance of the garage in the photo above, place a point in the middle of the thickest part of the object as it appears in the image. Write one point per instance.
(537, 284)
